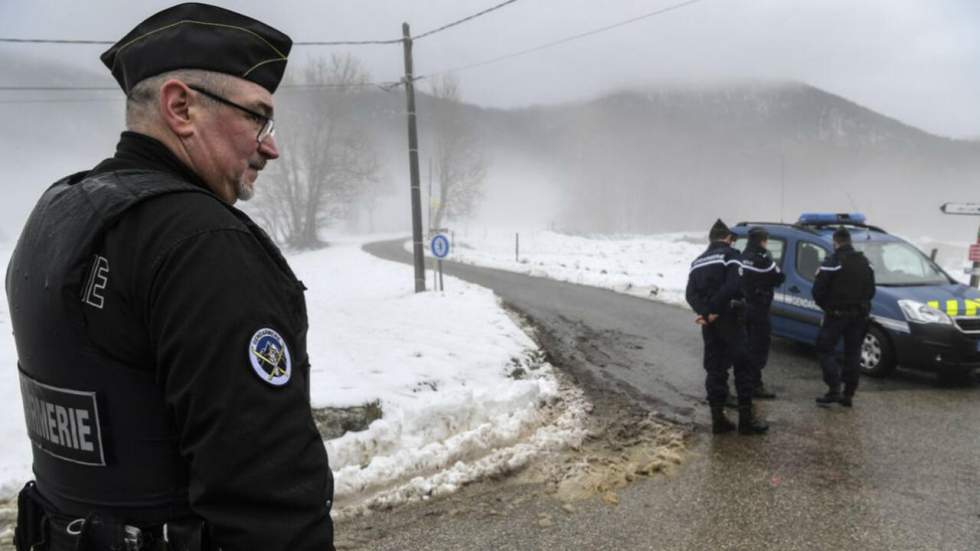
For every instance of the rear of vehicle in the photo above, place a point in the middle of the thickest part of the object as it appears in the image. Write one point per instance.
(920, 317)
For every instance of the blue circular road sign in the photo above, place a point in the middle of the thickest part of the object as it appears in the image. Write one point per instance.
(440, 246)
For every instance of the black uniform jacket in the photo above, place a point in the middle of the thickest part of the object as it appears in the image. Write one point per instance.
(137, 286)
(845, 282)
(713, 281)
(759, 276)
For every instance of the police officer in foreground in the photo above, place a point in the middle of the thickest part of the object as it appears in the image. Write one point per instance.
(713, 293)
(760, 276)
(844, 287)
(161, 336)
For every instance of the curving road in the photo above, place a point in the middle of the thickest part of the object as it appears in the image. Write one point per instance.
(901, 470)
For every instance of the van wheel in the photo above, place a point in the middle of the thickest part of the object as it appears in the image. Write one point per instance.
(877, 355)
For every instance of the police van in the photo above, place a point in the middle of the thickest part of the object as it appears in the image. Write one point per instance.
(921, 318)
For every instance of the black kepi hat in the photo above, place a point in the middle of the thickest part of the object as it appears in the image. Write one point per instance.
(200, 36)
(758, 234)
(719, 231)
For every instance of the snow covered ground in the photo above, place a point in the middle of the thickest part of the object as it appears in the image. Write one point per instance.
(650, 266)
(451, 371)
(461, 387)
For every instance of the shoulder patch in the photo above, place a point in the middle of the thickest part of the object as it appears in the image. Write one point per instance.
(269, 356)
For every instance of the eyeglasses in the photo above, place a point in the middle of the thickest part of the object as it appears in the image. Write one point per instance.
(268, 125)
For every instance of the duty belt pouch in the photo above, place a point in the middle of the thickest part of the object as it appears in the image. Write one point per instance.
(32, 521)
(187, 535)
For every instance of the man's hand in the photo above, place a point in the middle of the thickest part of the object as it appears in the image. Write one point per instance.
(700, 320)
(712, 318)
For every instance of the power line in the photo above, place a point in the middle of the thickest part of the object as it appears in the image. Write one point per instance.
(62, 100)
(564, 40)
(108, 42)
(463, 20)
(383, 85)
(53, 41)
(348, 42)
(58, 88)
(299, 43)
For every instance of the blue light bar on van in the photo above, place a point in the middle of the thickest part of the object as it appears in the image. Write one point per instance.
(819, 218)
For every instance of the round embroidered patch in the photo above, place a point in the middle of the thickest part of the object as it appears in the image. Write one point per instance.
(270, 357)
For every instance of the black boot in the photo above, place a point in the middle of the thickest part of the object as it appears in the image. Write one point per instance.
(832, 397)
(731, 402)
(762, 393)
(719, 423)
(748, 423)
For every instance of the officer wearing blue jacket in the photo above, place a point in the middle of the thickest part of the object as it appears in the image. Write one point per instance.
(760, 276)
(713, 292)
(844, 287)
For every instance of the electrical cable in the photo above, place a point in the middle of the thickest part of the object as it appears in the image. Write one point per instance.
(297, 43)
(562, 41)
(463, 20)
(116, 88)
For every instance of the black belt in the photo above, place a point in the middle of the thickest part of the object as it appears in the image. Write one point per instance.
(40, 527)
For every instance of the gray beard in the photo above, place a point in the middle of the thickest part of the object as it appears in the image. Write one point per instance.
(244, 191)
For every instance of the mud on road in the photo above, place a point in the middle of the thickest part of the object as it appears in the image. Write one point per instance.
(625, 442)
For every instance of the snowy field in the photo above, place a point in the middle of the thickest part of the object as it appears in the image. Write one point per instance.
(461, 387)
(649, 266)
(652, 266)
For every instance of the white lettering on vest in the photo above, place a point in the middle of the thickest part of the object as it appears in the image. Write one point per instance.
(97, 281)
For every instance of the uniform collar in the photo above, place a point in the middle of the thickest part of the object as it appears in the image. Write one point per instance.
(717, 245)
(137, 151)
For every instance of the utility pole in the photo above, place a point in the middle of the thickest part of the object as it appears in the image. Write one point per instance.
(413, 162)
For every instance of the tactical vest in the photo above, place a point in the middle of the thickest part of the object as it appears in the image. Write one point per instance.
(102, 439)
(854, 284)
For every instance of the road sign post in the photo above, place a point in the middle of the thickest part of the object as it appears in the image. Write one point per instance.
(440, 249)
(975, 257)
(969, 209)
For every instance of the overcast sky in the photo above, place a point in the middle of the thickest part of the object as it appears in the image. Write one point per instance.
(918, 61)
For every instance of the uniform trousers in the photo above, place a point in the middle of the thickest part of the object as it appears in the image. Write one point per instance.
(759, 331)
(724, 347)
(852, 327)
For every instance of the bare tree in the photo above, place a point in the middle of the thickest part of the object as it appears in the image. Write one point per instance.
(460, 167)
(327, 161)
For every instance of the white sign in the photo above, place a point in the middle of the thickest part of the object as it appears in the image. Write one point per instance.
(961, 208)
(440, 246)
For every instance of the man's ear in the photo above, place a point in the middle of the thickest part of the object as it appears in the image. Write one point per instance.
(175, 108)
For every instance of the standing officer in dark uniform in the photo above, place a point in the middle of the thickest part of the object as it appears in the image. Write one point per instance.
(161, 336)
(844, 287)
(712, 288)
(760, 276)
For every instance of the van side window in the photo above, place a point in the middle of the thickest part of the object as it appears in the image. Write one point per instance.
(776, 248)
(808, 258)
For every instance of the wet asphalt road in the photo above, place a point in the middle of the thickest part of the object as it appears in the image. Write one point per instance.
(901, 470)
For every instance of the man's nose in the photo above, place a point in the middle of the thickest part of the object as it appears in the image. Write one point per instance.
(268, 148)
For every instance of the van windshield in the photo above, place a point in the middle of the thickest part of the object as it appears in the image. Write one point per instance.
(900, 264)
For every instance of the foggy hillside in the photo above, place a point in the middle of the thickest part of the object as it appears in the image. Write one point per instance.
(671, 158)
(675, 158)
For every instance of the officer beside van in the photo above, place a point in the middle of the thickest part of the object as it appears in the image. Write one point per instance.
(843, 289)
(713, 293)
(759, 276)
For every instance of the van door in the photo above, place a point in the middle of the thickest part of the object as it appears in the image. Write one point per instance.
(799, 315)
